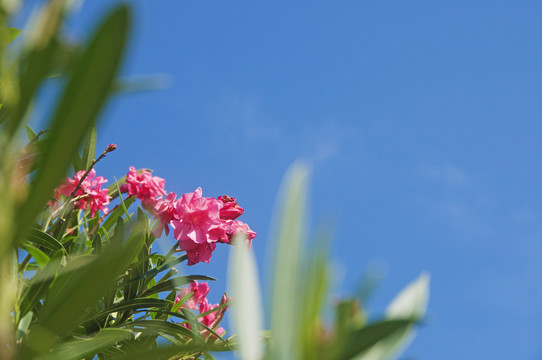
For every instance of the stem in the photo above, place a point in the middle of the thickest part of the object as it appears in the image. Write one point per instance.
(89, 169)
(22, 267)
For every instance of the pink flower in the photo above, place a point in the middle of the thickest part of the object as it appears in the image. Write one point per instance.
(199, 291)
(164, 211)
(211, 320)
(197, 225)
(90, 193)
(231, 209)
(235, 227)
(144, 186)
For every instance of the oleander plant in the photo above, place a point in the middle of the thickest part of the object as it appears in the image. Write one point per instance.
(79, 276)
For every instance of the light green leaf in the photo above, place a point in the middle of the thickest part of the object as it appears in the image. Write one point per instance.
(41, 258)
(9, 34)
(246, 312)
(23, 324)
(285, 307)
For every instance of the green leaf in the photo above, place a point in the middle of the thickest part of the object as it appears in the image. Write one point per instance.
(116, 213)
(43, 239)
(168, 352)
(30, 134)
(285, 307)
(78, 290)
(9, 34)
(247, 313)
(173, 284)
(38, 286)
(23, 325)
(313, 296)
(411, 302)
(89, 149)
(160, 326)
(83, 97)
(134, 304)
(361, 340)
(80, 243)
(35, 63)
(90, 346)
(41, 258)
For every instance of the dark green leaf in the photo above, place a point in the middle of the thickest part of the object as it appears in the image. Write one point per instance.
(43, 239)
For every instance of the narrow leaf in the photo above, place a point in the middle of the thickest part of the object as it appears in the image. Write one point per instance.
(246, 312)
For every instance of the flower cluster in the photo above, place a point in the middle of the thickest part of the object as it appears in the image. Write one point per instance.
(89, 194)
(198, 301)
(198, 222)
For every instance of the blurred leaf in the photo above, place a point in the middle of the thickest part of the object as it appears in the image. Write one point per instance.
(88, 347)
(23, 325)
(364, 338)
(168, 352)
(36, 61)
(81, 102)
(30, 134)
(313, 294)
(411, 302)
(9, 34)
(89, 149)
(39, 284)
(285, 305)
(246, 312)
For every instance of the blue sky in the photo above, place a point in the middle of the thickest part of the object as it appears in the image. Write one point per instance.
(421, 119)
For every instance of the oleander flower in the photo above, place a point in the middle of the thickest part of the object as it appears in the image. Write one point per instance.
(211, 320)
(164, 211)
(197, 225)
(89, 195)
(144, 186)
(197, 252)
(234, 227)
(199, 293)
(231, 209)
